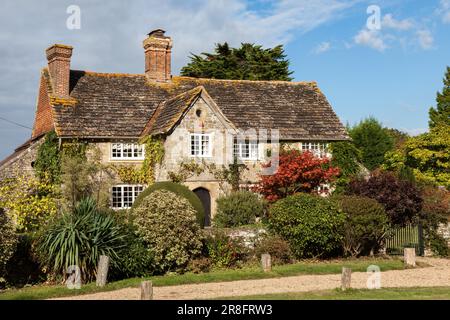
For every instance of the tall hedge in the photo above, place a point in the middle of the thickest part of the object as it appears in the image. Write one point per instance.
(178, 189)
(8, 241)
(311, 224)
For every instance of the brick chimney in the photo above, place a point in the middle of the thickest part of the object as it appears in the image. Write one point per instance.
(158, 49)
(58, 57)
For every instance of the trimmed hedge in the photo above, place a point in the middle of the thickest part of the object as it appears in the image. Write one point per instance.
(311, 224)
(238, 208)
(178, 189)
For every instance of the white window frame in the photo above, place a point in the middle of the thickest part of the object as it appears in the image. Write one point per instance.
(200, 136)
(122, 145)
(317, 148)
(135, 194)
(253, 149)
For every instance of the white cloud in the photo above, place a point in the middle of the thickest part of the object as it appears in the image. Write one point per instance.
(322, 47)
(415, 131)
(425, 39)
(371, 38)
(444, 11)
(390, 22)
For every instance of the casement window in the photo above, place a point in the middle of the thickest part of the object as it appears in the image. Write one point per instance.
(245, 150)
(123, 196)
(319, 149)
(127, 151)
(201, 145)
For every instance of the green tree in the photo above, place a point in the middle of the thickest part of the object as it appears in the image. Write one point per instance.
(372, 139)
(441, 115)
(249, 62)
(347, 157)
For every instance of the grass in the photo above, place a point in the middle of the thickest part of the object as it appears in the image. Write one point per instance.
(425, 293)
(246, 273)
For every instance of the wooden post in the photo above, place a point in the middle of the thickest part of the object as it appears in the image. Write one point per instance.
(102, 271)
(266, 262)
(346, 278)
(146, 290)
(409, 255)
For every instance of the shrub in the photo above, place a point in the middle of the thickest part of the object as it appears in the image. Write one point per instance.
(400, 198)
(311, 224)
(79, 238)
(278, 248)
(8, 241)
(23, 268)
(179, 190)
(366, 224)
(225, 251)
(297, 172)
(436, 210)
(200, 265)
(237, 209)
(167, 223)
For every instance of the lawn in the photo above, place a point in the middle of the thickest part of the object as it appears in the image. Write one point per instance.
(430, 293)
(246, 273)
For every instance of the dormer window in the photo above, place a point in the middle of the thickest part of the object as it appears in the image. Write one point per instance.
(127, 151)
(245, 150)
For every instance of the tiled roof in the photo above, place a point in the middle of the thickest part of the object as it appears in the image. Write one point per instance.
(121, 105)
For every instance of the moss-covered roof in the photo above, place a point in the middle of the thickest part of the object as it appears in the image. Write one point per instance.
(121, 105)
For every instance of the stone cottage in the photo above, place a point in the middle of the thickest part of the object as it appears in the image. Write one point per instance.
(198, 119)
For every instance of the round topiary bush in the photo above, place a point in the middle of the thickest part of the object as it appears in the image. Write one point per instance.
(167, 223)
(179, 190)
(311, 224)
(238, 208)
(8, 241)
(365, 226)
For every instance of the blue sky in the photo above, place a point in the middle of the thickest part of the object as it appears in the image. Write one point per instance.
(392, 73)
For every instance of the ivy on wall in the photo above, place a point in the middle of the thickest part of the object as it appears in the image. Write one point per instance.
(144, 174)
(47, 164)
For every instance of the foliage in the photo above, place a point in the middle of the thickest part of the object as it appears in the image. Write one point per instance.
(79, 238)
(167, 223)
(441, 114)
(278, 248)
(185, 171)
(179, 190)
(372, 139)
(154, 154)
(225, 251)
(23, 268)
(231, 174)
(398, 137)
(250, 62)
(297, 172)
(47, 163)
(365, 227)
(311, 224)
(400, 198)
(200, 265)
(28, 201)
(347, 157)
(238, 208)
(84, 175)
(8, 241)
(436, 211)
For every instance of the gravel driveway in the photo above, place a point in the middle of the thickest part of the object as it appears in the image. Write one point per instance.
(436, 275)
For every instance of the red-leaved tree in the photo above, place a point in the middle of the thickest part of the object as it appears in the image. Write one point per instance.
(297, 172)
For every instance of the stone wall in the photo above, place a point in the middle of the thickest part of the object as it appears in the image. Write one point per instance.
(20, 163)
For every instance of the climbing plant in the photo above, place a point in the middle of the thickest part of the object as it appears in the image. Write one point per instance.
(47, 164)
(144, 174)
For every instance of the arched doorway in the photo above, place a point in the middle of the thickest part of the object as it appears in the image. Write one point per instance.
(205, 198)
